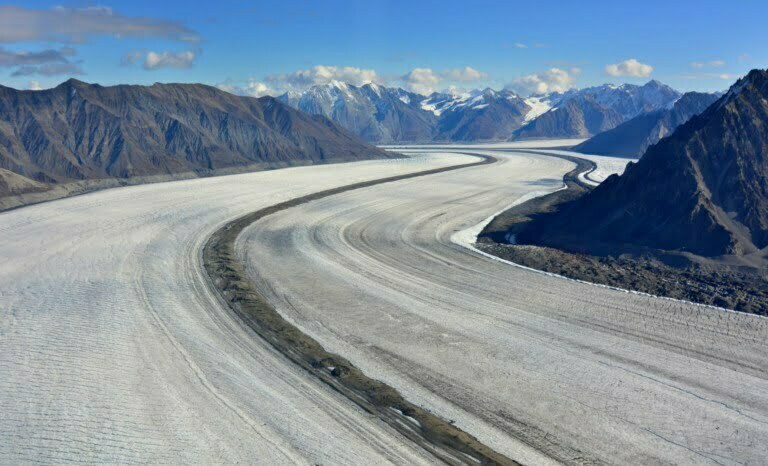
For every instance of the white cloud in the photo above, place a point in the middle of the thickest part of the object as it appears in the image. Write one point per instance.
(631, 68)
(426, 80)
(707, 64)
(76, 25)
(464, 75)
(321, 74)
(551, 80)
(156, 60)
(34, 86)
(520, 45)
(422, 80)
(250, 88)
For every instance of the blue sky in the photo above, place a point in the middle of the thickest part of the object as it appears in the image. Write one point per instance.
(267, 47)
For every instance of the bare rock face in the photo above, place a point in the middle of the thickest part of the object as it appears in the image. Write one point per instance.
(80, 131)
(386, 115)
(375, 113)
(701, 190)
(633, 137)
(579, 117)
(488, 116)
(586, 112)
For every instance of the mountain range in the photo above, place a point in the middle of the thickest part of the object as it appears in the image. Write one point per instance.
(79, 131)
(385, 115)
(701, 190)
(633, 137)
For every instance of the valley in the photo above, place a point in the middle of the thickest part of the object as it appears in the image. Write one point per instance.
(372, 275)
(383, 233)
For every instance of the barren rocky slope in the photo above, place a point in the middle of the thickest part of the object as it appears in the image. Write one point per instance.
(633, 137)
(586, 112)
(80, 131)
(579, 117)
(701, 190)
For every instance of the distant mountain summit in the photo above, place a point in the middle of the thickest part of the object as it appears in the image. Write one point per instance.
(375, 113)
(385, 115)
(485, 115)
(577, 117)
(80, 131)
(633, 137)
(703, 189)
(586, 112)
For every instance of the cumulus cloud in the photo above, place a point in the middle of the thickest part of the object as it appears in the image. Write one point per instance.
(156, 60)
(464, 75)
(631, 68)
(421, 80)
(551, 80)
(76, 25)
(34, 86)
(321, 74)
(252, 88)
(707, 64)
(276, 84)
(426, 80)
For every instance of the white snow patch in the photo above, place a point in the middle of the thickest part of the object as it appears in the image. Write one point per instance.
(539, 105)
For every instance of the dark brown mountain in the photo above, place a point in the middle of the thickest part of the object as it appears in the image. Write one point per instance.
(703, 189)
(633, 137)
(80, 131)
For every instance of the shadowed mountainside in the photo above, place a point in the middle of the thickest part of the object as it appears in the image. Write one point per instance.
(79, 131)
(702, 190)
(633, 137)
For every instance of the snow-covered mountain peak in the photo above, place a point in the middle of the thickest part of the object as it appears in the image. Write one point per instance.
(375, 88)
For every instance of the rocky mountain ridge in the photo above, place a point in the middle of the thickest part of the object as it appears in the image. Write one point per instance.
(633, 137)
(703, 190)
(385, 115)
(79, 131)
